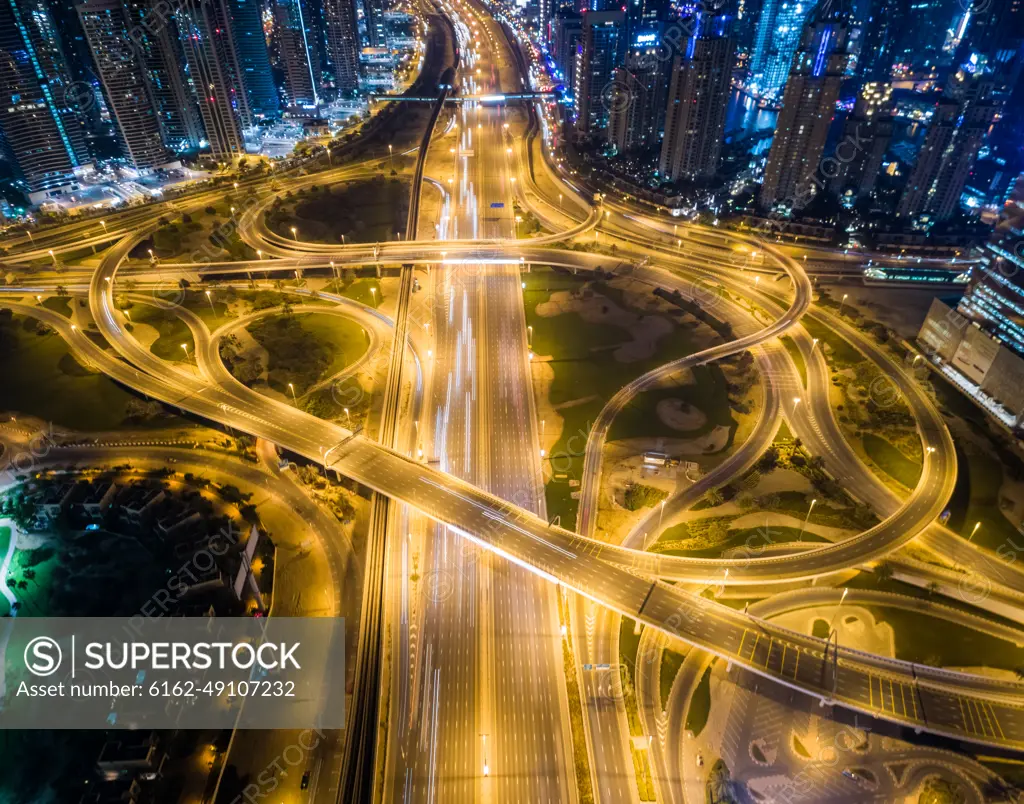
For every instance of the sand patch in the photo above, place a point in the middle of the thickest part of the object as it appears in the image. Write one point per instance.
(645, 330)
(680, 415)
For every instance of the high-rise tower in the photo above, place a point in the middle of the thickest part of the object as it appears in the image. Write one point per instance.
(206, 34)
(698, 94)
(343, 43)
(601, 49)
(121, 68)
(39, 132)
(791, 176)
(253, 59)
(956, 132)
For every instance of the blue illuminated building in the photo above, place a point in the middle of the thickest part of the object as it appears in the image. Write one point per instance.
(39, 131)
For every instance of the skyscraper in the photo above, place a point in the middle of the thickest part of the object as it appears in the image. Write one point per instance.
(291, 40)
(343, 43)
(206, 35)
(636, 115)
(601, 49)
(878, 33)
(253, 60)
(957, 130)
(122, 72)
(698, 94)
(866, 136)
(808, 105)
(566, 33)
(373, 16)
(161, 54)
(775, 41)
(39, 132)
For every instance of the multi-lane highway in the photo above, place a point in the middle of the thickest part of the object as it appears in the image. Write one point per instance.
(487, 676)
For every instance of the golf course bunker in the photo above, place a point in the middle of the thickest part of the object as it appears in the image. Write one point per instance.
(680, 415)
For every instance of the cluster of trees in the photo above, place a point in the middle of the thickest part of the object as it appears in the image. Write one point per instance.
(640, 495)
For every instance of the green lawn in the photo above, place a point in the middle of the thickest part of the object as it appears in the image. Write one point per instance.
(307, 348)
(708, 393)
(54, 386)
(891, 461)
(700, 705)
(976, 499)
(586, 374)
(364, 291)
(173, 332)
(671, 661)
(930, 640)
(59, 304)
(213, 310)
(798, 358)
(842, 352)
(370, 211)
(755, 540)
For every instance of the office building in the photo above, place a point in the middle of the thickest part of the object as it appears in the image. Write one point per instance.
(957, 130)
(122, 72)
(254, 60)
(775, 41)
(792, 175)
(342, 43)
(980, 344)
(206, 34)
(698, 95)
(601, 49)
(39, 132)
(637, 115)
(867, 133)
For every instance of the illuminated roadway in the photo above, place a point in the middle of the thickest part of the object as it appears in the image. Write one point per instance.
(968, 707)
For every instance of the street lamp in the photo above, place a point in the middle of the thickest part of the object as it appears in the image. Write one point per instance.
(796, 401)
(973, 531)
(845, 297)
(259, 253)
(294, 399)
(209, 298)
(184, 348)
(836, 614)
(391, 155)
(373, 294)
(53, 257)
(295, 234)
(104, 225)
(814, 502)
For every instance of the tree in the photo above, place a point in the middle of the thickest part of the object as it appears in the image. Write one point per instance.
(884, 571)
(712, 498)
(769, 461)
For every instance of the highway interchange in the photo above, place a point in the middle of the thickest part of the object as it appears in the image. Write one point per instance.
(486, 685)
